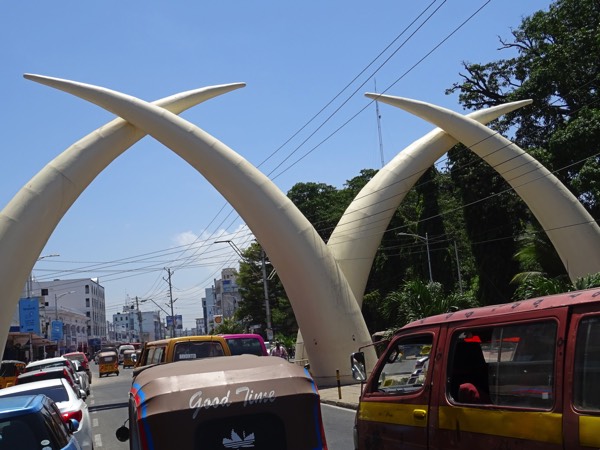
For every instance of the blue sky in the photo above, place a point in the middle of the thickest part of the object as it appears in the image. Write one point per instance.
(143, 212)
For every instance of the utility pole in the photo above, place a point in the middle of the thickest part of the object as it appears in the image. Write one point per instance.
(137, 305)
(269, 329)
(171, 301)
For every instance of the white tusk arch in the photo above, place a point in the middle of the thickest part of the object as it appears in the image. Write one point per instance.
(356, 238)
(323, 303)
(28, 220)
(571, 229)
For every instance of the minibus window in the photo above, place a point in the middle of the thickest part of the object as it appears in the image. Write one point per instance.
(509, 365)
(587, 365)
(406, 365)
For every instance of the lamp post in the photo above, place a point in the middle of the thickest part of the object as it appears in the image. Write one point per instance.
(426, 240)
(269, 329)
(56, 297)
(30, 279)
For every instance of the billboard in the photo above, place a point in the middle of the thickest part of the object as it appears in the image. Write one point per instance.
(56, 333)
(29, 315)
(178, 322)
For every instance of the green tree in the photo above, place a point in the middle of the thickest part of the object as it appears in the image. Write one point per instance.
(252, 310)
(556, 65)
(417, 299)
(229, 326)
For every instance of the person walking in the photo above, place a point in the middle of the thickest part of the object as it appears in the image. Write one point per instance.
(279, 350)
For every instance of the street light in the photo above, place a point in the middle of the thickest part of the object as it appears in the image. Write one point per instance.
(426, 240)
(269, 329)
(56, 297)
(30, 279)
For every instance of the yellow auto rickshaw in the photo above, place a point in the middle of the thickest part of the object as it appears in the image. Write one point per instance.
(9, 371)
(129, 359)
(108, 363)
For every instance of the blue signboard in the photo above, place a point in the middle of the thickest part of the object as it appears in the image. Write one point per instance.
(56, 333)
(29, 315)
(178, 322)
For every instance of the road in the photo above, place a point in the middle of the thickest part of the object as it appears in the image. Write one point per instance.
(108, 411)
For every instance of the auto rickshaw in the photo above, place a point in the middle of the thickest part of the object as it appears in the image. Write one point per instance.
(244, 401)
(129, 359)
(9, 371)
(108, 363)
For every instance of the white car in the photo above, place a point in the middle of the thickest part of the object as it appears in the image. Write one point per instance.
(71, 405)
(84, 381)
(58, 361)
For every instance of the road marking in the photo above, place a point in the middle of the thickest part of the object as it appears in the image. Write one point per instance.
(97, 440)
(94, 422)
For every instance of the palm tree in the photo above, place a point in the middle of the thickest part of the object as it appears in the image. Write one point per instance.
(417, 299)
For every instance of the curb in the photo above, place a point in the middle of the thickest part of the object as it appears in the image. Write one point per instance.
(340, 404)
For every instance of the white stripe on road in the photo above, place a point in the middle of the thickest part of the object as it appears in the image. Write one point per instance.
(94, 422)
(97, 440)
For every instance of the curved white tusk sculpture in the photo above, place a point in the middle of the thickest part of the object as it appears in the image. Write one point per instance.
(571, 229)
(324, 305)
(28, 220)
(356, 238)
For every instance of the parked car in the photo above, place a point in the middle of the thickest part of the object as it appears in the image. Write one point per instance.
(34, 422)
(59, 361)
(83, 359)
(83, 377)
(70, 405)
(51, 373)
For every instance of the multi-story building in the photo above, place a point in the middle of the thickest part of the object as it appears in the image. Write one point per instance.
(82, 294)
(133, 325)
(76, 306)
(221, 300)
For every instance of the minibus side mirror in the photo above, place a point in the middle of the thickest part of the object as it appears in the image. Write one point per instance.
(357, 363)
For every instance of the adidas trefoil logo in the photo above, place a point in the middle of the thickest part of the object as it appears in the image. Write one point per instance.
(237, 442)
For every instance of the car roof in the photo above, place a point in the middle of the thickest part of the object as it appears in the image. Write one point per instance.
(34, 385)
(20, 405)
(41, 362)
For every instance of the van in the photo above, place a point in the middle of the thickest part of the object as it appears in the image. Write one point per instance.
(518, 375)
(246, 344)
(181, 349)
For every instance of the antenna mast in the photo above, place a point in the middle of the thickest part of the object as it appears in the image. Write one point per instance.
(379, 127)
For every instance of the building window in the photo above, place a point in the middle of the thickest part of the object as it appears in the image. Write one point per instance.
(87, 288)
(87, 302)
(87, 314)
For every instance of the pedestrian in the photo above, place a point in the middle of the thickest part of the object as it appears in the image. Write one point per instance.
(279, 350)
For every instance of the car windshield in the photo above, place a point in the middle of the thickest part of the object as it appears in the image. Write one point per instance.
(19, 432)
(56, 393)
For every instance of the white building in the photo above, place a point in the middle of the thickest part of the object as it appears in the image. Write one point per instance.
(77, 303)
(126, 327)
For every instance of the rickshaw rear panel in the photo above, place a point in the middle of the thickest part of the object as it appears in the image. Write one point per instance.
(234, 402)
(108, 363)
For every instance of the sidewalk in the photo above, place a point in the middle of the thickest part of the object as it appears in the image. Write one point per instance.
(349, 396)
